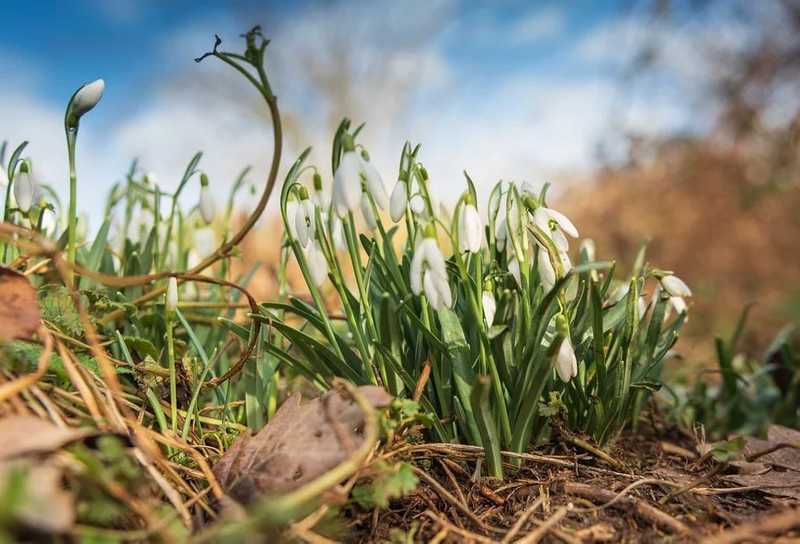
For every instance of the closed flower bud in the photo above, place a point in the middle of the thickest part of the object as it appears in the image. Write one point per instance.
(24, 188)
(566, 362)
(398, 201)
(417, 204)
(83, 101)
(675, 286)
(513, 267)
(470, 229)
(172, 295)
(207, 205)
(374, 182)
(347, 183)
(489, 306)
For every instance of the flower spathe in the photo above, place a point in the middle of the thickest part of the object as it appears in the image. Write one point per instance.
(429, 274)
(398, 200)
(470, 229)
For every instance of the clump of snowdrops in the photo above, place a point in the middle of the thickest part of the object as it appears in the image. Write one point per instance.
(496, 327)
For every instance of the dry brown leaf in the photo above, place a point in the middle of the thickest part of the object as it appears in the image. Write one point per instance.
(20, 316)
(774, 482)
(25, 435)
(301, 442)
(46, 506)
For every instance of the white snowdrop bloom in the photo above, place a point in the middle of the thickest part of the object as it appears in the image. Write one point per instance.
(317, 263)
(24, 189)
(319, 196)
(347, 183)
(398, 200)
(172, 294)
(205, 241)
(501, 233)
(49, 222)
(527, 189)
(86, 98)
(678, 304)
(207, 205)
(489, 306)
(547, 274)
(513, 267)
(3, 177)
(304, 221)
(429, 274)
(417, 205)
(470, 229)
(337, 233)
(675, 286)
(374, 183)
(566, 362)
(556, 224)
(369, 215)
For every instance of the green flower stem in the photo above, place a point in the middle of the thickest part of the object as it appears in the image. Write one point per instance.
(173, 377)
(72, 217)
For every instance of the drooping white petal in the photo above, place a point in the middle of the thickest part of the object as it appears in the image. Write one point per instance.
(3, 176)
(489, 306)
(675, 286)
(431, 290)
(542, 219)
(469, 229)
(317, 264)
(501, 230)
(337, 233)
(374, 183)
(417, 204)
(561, 242)
(208, 208)
(619, 293)
(547, 273)
(566, 362)
(398, 201)
(24, 191)
(370, 220)
(304, 221)
(642, 306)
(563, 222)
(513, 267)
(433, 256)
(679, 304)
(445, 295)
(205, 241)
(172, 294)
(347, 183)
(415, 274)
(292, 210)
(87, 97)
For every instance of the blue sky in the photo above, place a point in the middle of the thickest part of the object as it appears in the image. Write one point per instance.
(520, 90)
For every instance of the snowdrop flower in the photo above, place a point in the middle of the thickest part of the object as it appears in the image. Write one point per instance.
(470, 227)
(566, 362)
(337, 233)
(84, 99)
(429, 273)
(317, 263)
(205, 241)
(304, 219)
(374, 182)
(25, 188)
(555, 224)
(347, 183)
(172, 294)
(501, 233)
(513, 267)
(489, 306)
(675, 286)
(208, 208)
(417, 205)
(398, 200)
(291, 221)
(366, 210)
(547, 274)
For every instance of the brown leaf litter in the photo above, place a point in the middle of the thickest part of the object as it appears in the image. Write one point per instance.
(20, 316)
(301, 442)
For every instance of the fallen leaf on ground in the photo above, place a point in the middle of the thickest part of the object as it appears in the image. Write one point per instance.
(44, 504)
(25, 435)
(777, 483)
(20, 316)
(301, 442)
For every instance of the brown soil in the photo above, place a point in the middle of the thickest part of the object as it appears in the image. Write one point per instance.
(655, 488)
